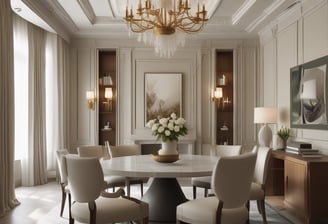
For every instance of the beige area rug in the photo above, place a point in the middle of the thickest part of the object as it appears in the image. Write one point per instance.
(255, 218)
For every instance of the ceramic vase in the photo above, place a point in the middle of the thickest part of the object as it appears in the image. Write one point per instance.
(168, 148)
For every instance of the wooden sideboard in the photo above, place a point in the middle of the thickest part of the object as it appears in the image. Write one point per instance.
(303, 183)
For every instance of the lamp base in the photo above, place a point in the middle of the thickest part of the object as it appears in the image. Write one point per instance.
(265, 136)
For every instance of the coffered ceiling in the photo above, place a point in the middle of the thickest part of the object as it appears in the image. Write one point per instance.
(103, 18)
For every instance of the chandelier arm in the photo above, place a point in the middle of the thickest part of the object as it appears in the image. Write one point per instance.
(139, 28)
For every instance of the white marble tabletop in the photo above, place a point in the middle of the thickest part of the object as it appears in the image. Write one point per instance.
(145, 166)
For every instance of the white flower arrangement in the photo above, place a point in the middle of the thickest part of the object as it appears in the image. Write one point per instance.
(168, 129)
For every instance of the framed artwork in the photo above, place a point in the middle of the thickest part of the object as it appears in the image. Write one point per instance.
(308, 92)
(163, 95)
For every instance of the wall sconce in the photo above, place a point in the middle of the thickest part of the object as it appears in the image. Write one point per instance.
(217, 94)
(109, 97)
(90, 95)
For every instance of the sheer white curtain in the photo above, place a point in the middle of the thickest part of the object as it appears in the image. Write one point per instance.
(7, 131)
(41, 74)
(63, 85)
(37, 104)
(21, 97)
(52, 94)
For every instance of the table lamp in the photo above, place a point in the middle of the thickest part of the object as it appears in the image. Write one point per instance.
(265, 116)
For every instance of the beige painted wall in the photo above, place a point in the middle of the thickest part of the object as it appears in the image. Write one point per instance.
(197, 63)
(298, 36)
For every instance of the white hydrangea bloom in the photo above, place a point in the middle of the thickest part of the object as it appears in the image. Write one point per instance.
(180, 121)
(176, 128)
(167, 133)
(171, 125)
(154, 127)
(150, 123)
(160, 129)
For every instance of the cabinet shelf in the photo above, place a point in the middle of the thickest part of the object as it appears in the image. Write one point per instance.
(224, 110)
(106, 129)
(107, 109)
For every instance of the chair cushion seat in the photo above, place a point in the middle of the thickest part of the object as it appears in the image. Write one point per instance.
(114, 180)
(110, 210)
(203, 211)
(257, 193)
(204, 182)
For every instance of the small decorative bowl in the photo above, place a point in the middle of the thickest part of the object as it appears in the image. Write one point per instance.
(165, 158)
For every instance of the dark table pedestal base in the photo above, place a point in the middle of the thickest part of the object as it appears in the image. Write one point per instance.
(163, 196)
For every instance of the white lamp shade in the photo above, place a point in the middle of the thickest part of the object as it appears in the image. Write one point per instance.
(218, 92)
(108, 93)
(90, 95)
(265, 115)
(309, 90)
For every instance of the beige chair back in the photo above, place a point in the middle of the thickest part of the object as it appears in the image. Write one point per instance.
(124, 150)
(231, 179)
(91, 151)
(227, 150)
(61, 165)
(85, 177)
(261, 166)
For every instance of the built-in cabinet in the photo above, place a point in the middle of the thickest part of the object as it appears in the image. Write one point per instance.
(224, 104)
(107, 97)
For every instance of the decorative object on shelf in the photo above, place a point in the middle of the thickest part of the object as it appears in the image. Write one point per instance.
(168, 130)
(265, 116)
(108, 126)
(163, 24)
(107, 80)
(283, 133)
(90, 95)
(222, 80)
(109, 97)
(224, 127)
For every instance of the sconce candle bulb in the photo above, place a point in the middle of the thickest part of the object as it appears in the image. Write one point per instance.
(90, 95)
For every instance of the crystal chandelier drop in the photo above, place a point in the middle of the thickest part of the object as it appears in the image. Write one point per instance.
(164, 24)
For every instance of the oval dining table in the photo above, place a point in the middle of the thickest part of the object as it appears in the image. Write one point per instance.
(164, 192)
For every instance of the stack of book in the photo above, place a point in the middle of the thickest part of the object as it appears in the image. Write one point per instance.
(303, 149)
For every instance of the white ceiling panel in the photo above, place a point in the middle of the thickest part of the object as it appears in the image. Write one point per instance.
(98, 18)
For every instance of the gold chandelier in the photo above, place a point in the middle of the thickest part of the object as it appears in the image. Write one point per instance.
(164, 18)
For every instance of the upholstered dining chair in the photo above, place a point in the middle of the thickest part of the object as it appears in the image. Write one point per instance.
(128, 150)
(92, 204)
(100, 152)
(259, 178)
(231, 183)
(63, 178)
(218, 150)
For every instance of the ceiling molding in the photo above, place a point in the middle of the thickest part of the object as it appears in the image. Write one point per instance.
(87, 10)
(62, 15)
(236, 17)
(266, 12)
(44, 14)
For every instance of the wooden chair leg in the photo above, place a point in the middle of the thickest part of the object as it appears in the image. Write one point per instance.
(93, 212)
(63, 199)
(141, 189)
(194, 191)
(262, 206)
(258, 203)
(205, 192)
(247, 206)
(71, 220)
